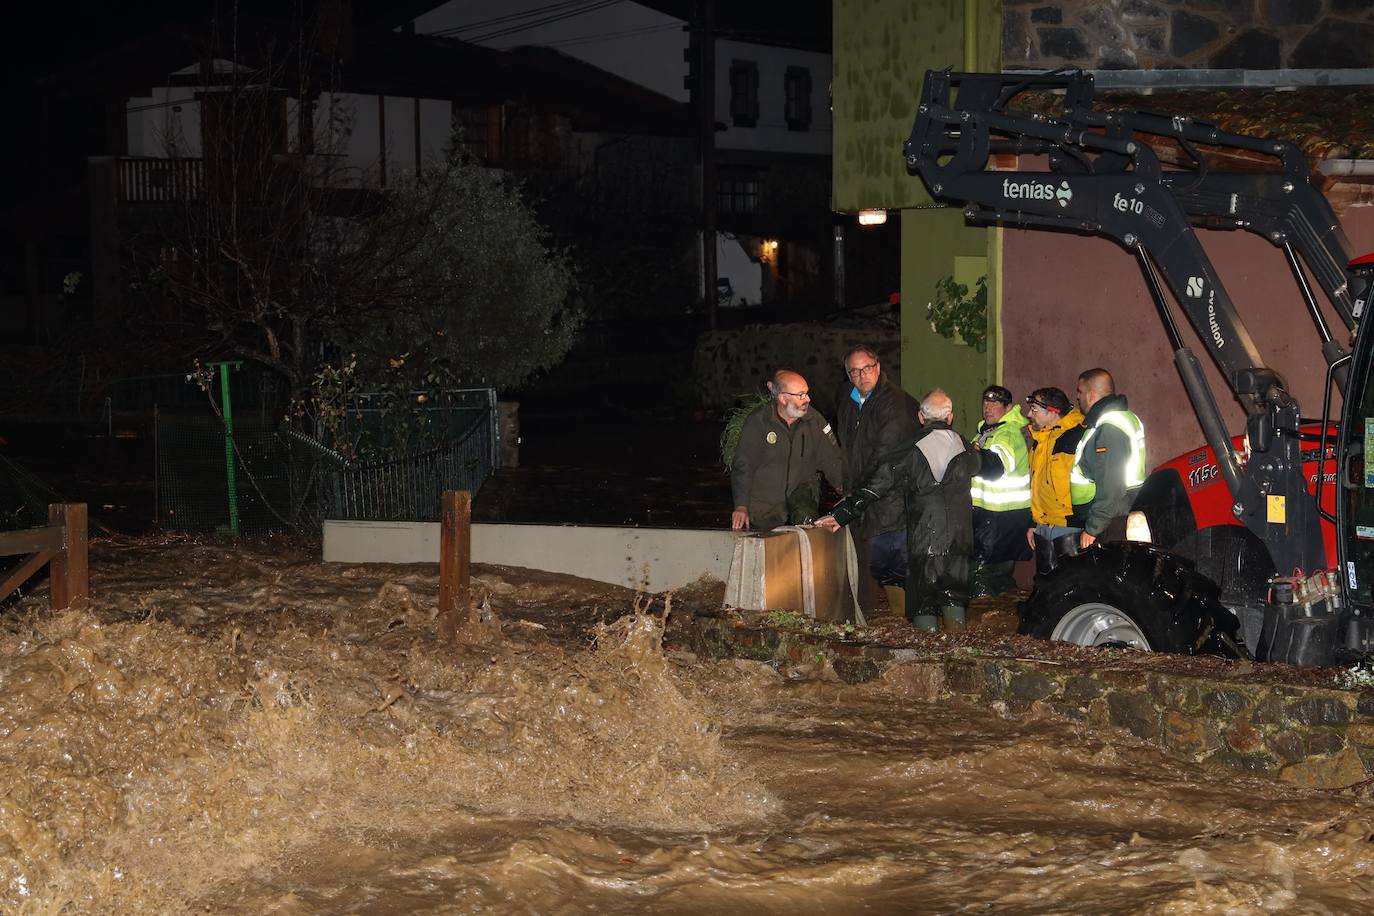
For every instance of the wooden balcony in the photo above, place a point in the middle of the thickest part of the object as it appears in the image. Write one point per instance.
(159, 181)
(135, 182)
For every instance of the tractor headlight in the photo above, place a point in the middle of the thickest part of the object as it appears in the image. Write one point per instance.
(1138, 527)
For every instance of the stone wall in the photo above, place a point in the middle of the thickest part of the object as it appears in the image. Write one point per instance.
(736, 362)
(1312, 737)
(1163, 34)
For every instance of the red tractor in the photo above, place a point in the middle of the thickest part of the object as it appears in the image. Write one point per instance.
(1258, 543)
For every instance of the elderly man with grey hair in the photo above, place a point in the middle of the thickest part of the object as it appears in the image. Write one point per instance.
(934, 470)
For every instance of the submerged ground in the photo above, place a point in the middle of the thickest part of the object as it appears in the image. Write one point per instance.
(242, 729)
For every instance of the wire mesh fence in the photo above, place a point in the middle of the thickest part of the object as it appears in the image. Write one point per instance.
(207, 481)
(270, 477)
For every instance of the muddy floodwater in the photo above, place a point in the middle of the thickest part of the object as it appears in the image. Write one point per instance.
(242, 729)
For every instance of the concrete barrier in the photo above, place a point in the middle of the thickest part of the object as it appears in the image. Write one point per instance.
(653, 559)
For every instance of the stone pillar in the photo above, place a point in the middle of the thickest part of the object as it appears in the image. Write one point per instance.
(508, 434)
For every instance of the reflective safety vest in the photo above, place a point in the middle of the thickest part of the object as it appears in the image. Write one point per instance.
(1013, 489)
(1082, 489)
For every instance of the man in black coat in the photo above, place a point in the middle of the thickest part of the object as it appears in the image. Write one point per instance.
(934, 473)
(874, 419)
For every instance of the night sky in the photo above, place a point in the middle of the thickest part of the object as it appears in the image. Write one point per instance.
(50, 40)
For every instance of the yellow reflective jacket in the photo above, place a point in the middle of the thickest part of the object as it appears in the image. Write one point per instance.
(1051, 462)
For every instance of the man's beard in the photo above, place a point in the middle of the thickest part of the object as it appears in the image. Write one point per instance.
(795, 411)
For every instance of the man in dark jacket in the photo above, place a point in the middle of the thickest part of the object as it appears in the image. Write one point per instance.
(1109, 464)
(874, 418)
(934, 474)
(783, 445)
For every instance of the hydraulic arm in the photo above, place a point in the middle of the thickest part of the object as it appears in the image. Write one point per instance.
(1105, 177)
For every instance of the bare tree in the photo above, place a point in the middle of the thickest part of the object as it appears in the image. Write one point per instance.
(287, 258)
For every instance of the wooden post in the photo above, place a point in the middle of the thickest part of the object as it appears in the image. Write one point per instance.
(70, 571)
(455, 559)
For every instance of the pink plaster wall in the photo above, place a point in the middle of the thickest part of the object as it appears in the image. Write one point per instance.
(1072, 302)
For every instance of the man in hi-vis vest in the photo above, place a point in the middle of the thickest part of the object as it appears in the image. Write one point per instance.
(1109, 465)
(1001, 493)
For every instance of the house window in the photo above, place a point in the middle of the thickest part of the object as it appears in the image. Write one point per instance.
(737, 192)
(477, 131)
(744, 93)
(532, 137)
(797, 83)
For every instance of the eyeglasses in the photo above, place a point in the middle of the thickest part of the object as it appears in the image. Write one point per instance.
(861, 370)
(1036, 405)
(795, 394)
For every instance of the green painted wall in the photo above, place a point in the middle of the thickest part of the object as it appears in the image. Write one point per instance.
(936, 243)
(882, 49)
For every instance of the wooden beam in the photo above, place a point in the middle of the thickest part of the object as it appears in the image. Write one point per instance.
(70, 567)
(30, 540)
(455, 560)
(24, 571)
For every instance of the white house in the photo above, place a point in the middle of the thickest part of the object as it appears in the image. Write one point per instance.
(771, 104)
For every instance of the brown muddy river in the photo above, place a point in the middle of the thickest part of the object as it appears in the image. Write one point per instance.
(246, 730)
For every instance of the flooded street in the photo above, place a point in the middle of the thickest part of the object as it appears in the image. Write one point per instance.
(889, 810)
(238, 730)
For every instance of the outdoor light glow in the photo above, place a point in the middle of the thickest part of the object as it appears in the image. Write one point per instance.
(771, 244)
(872, 217)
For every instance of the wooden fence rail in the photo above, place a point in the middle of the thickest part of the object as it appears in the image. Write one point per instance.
(60, 545)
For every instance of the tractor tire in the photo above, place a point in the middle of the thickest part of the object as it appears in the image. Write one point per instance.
(1130, 595)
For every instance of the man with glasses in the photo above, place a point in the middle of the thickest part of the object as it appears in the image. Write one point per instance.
(875, 419)
(783, 446)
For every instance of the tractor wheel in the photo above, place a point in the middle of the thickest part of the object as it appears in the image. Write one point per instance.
(1128, 595)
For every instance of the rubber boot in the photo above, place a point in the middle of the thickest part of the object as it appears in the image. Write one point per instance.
(927, 622)
(896, 598)
(953, 617)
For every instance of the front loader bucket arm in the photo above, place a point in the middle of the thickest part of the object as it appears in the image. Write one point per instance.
(950, 148)
(1279, 203)
(1105, 181)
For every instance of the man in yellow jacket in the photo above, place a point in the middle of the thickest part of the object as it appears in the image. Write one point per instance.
(1056, 428)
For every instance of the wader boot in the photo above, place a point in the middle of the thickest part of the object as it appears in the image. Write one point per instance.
(896, 598)
(914, 608)
(953, 616)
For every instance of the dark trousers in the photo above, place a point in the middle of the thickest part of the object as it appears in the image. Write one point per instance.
(887, 559)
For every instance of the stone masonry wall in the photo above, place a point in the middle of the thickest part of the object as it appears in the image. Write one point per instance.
(1197, 34)
(1306, 736)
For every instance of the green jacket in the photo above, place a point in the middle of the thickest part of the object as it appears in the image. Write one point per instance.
(774, 473)
(1109, 464)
